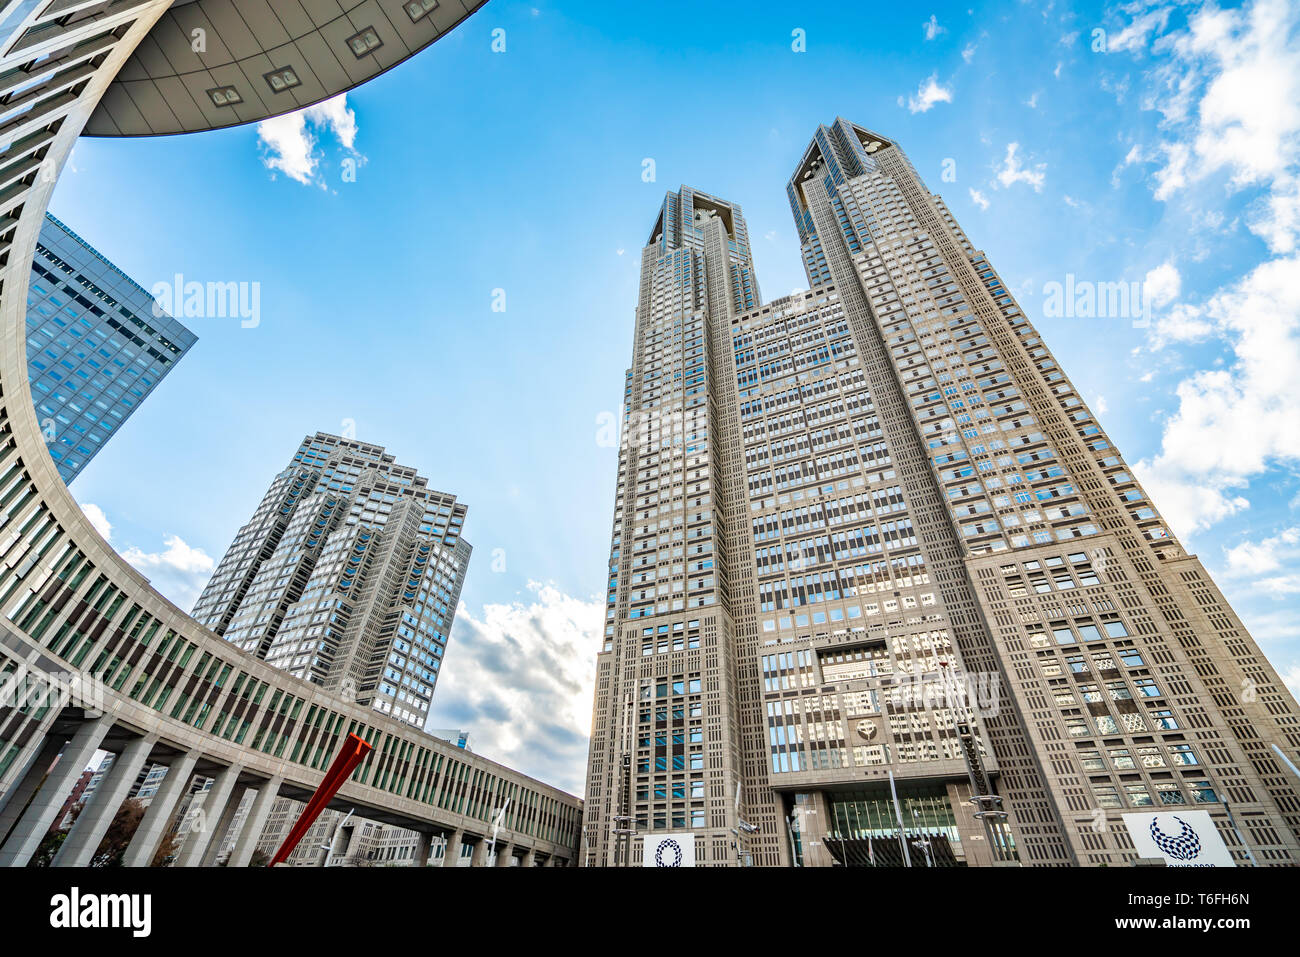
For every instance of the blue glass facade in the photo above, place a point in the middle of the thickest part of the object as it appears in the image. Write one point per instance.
(95, 349)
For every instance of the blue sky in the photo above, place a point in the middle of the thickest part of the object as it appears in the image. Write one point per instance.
(1163, 149)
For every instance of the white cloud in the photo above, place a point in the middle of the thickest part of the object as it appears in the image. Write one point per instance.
(1183, 323)
(1133, 37)
(968, 53)
(1032, 102)
(930, 92)
(1267, 555)
(979, 199)
(520, 678)
(1012, 171)
(933, 28)
(1229, 95)
(1280, 585)
(290, 141)
(99, 520)
(1228, 92)
(1234, 423)
(1162, 284)
(178, 556)
(1292, 678)
(179, 571)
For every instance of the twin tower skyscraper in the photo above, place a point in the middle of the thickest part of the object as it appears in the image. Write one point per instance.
(881, 590)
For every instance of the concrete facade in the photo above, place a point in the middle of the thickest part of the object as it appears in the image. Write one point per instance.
(868, 541)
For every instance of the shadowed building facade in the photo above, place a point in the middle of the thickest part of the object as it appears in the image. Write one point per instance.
(881, 589)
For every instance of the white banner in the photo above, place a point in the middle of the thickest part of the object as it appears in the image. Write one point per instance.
(1182, 838)
(668, 850)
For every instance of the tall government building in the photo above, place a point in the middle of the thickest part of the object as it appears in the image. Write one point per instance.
(872, 530)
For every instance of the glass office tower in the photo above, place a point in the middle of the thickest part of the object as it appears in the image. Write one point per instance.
(95, 347)
(881, 589)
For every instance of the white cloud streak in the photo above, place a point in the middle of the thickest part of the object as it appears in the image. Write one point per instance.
(291, 142)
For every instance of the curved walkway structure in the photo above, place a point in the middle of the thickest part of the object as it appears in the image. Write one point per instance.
(91, 657)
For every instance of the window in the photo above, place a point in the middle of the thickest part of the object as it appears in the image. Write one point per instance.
(1164, 720)
(417, 10)
(282, 79)
(365, 41)
(1118, 690)
(1107, 796)
(225, 96)
(1169, 792)
(1138, 795)
(1202, 792)
(1147, 687)
(1183, 754)
(1130, 657)
(1116, 629)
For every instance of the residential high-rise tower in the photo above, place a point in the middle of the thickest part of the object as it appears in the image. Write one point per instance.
(881, 590)
(347, 575)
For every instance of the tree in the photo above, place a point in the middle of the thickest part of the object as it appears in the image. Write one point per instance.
(117, 838)
(168, 848)
(54, 840)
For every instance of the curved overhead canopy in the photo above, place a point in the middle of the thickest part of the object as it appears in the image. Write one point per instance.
(208, 64)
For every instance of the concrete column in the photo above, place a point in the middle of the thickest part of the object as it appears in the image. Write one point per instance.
(93, 822)
(451, 855)
(251, 832)
(158, 817)
(36, 821)
(530, 858)
(28, 782)
(504, 851)
(423, 846)
(479, 858)
(221, 834)
(214, 808)
(37, 743)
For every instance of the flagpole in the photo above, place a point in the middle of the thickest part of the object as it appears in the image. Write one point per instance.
(902, 829)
